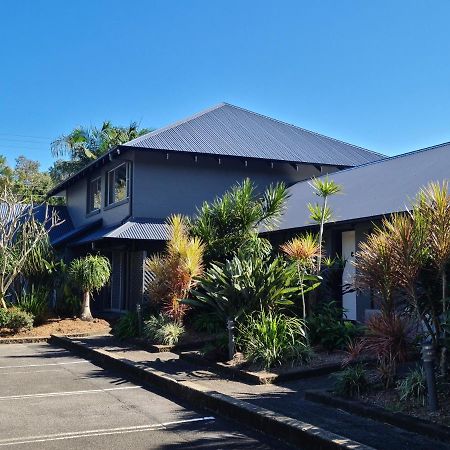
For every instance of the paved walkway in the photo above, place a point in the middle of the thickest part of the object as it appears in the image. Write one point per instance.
(53, 399)
(287, 399)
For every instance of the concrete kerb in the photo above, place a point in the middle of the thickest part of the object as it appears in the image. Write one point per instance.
(38, 339)
(284, 428)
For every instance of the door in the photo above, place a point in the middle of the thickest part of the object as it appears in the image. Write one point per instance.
(348, 276)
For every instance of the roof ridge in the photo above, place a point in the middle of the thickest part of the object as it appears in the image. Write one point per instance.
(300, 128)
(175, 124)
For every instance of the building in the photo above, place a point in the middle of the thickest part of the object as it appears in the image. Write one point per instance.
(370, 192)
(118, 204)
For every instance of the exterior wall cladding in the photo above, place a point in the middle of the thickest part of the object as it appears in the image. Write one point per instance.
(161, 186)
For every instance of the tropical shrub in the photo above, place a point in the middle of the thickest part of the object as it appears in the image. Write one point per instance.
(351, 382)
(227, 223)
(328, 328)
(207, 322)
(90, 273)
(162, 329)
(4, 316)
(270, 339)
(174, 271)
(127, 326)
(18, 320)
(413, 387)
(390, 338)
(35, 302)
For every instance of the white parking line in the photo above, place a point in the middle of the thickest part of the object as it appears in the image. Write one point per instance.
(43, 365)
(101, 432)
(64, 393)
(31, 371)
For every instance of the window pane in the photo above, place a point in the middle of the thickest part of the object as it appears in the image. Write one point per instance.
(95, 195)
(120, 183)
(110, 187)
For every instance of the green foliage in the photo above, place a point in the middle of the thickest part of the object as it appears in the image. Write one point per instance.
(227, 223)
(273, 339)
(351, 382)
(83, 145)
(4, 317)
(413, 387)
(18, 320)
(207, 322)
(90, 273)
(328, 328)
(35, 302)
(244, 284)
(161, 329)
(127, 326)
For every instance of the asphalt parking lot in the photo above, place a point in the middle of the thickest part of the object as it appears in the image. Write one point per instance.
(52, 399)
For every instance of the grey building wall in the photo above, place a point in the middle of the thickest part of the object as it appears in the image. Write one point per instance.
(76, 197)
(179, 184)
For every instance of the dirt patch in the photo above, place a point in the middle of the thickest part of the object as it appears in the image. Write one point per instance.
(63, 326)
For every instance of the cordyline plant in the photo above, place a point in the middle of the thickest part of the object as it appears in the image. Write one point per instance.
(433, 207)
(321, 213)
(20, 235)
(174, 272)
(304, 251)
(90, 273)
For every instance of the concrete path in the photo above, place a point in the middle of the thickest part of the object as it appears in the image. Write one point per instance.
(52, 399)
(286, 399)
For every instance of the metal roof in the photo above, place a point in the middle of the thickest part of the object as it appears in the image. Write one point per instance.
(138, 228)
(374, 189)
(42, 213)
(229, 131)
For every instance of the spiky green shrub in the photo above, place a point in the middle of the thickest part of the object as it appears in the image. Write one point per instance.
(351, 382)
(413, 387)
(161, 329)
(35, 302)
(3, 317)
(127, 326)
(272, 339)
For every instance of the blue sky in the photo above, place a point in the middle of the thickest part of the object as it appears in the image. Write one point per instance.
(373, 73)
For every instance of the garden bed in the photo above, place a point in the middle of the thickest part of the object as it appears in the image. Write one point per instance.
(60, 326)
(384, 406)
(322, 363)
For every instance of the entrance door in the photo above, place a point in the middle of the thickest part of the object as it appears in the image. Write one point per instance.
(348, 253)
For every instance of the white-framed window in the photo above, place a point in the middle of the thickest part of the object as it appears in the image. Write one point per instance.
(118, 184)
(94, 195)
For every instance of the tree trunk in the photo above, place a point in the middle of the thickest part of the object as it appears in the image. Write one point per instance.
(3, 303)
(86, 308)
(443, 359)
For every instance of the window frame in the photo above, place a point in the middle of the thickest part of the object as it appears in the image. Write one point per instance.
(93, 210)
(114, 202)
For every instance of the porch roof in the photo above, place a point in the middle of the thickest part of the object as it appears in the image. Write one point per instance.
(135, 228)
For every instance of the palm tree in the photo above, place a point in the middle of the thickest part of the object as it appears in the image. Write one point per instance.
(321, 213)
(227, 223)
(85, 144)
(91, 273)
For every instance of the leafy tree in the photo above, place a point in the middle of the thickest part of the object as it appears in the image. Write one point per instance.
(227, 223)
(5, 173)
(90, 273)
(85, 144)
(21, 236)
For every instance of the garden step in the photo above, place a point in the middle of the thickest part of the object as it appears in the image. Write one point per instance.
(285, 399)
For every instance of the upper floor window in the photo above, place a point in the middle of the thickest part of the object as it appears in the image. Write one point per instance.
(118, 184)
(94, 195)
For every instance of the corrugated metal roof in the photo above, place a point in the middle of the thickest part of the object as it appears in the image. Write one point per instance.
(42, 213)
(134, 228)
(373, 189)
(228, 130)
